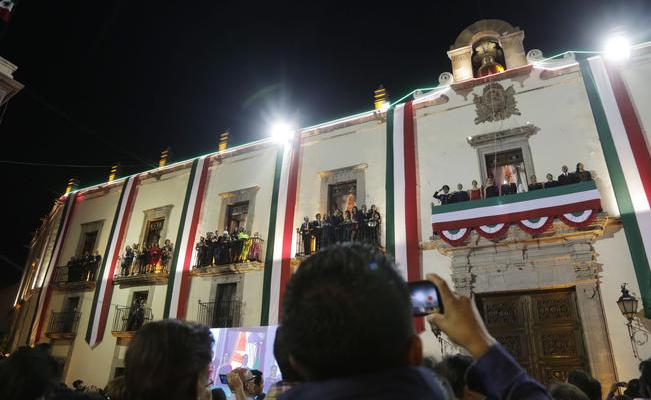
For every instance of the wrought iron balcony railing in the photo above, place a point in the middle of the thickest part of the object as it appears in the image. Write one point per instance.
(130, 319)
(310, 240)
(217, 253)
(75, 276)
(223, 314)
(63, 325)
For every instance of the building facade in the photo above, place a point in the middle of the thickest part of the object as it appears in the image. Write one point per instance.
(545, 265)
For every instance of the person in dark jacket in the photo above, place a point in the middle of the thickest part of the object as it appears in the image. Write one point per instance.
(460, 194)
(581, 175)
(491, 189)
(566, 178)
(445, 197)
(349, 333)
(550, 181)
(534, 185)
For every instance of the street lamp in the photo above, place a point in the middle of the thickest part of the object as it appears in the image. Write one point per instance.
(627, 304)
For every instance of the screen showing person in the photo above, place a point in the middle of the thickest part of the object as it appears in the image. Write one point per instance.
(425, 298)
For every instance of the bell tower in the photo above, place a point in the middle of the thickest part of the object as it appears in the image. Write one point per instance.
(487, 47)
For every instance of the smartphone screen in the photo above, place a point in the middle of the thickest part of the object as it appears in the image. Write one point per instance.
(425, 298)
(223, 379)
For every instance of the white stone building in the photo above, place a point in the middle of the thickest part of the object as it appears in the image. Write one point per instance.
(548, 293)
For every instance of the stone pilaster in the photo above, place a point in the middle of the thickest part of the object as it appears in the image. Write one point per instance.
(513, 48)
(461, 63)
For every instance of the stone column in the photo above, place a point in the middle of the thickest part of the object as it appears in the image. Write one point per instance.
(461, 63)
(513, 48)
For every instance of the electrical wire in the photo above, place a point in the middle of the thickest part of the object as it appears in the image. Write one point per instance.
(45, 164)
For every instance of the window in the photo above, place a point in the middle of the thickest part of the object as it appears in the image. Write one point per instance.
(342, 196)
(71, 304)
(153, 231)
(506, 166)
(227, 308)
(139, 297)
(236, 215)
(89, 240)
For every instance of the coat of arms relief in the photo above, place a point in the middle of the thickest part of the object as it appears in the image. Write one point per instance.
(495, 103)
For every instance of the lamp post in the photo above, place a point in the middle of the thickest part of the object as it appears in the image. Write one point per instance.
(627, 304)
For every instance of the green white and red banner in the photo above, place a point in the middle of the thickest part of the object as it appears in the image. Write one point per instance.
(178, 287)
(629, 163)
(277, 269)
(534, 212)
(104, 288)
(401, 194)
(46, 288)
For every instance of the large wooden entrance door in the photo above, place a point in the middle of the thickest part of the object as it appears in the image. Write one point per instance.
(541, 329)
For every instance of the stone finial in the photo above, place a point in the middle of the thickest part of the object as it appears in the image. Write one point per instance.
(446, 78)
(113, 173)
(73, 183)
(223, 141)
(164, 155)
(380, 98)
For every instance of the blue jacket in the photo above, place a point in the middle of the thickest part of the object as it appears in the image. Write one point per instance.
(496, 375)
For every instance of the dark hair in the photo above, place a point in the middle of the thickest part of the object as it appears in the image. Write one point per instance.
(645, 378)
(446, 187)
(566, 391)
(257, 376)
(281, 354)
(27, 374)
(165, 358)
(346, 312)
(453, 369)
(633, 388)
(77, 383)
(588, 385)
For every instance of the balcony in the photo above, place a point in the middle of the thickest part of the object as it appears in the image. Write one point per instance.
(128, 320)
(533, 214)
(218, 257)
(224, 314)
(312, 238)
(63, 325)
(149, 275)
(75, 277)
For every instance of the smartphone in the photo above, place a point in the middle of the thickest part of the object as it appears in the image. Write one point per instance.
(425, 298)
(223, 379)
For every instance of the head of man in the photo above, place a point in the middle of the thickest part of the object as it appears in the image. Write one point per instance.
(244, 378)
(564, 169)
(341, 306)
(459, 187)
(446, 189)
(258, 381)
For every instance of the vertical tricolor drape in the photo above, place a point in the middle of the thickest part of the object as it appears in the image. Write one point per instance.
(627, 157)
(46, 288)
(401, 193)
(179, 281)
(281, 230)
(104, 288)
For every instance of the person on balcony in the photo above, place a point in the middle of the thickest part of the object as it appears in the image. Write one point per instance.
(491, 190)
(127, 260)
(304, 230)
(509, 187)
(581, 174)
(550, 181)
(374, 226)
(143, 259)
(460, 195)
(136, 316)
(347, 227)
(475, 192)
(534, 185)
(445, 197)
(245, 241)
(256, 248)
(317, 231)
(155, 254)
(354, 216)
(566, 178)
(223, 248)
(201, 248)
(167, 252)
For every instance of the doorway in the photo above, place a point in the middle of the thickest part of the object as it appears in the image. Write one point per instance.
(236, 215)
(541, 329)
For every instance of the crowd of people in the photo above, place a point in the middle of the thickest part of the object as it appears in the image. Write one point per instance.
(148, 259)
(346, 332)
(228, 248)
(356, 224)
(82, 269)
(492, 189)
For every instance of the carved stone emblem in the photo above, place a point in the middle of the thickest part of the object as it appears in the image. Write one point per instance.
(495, 104)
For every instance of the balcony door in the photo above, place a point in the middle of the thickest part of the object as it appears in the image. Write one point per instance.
(342, 196)
(541, 329)
(506, 166)
(236, 215)
(227, 308)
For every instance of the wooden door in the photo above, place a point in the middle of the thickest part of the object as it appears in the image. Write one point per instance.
(541, 329)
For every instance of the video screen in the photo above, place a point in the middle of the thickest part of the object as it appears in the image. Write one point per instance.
(424, 298)
(250, 348)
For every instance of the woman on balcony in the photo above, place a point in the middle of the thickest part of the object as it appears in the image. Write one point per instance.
(475, 191)
(581, 174)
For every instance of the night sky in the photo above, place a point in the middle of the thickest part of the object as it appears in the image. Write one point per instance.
(118, 81)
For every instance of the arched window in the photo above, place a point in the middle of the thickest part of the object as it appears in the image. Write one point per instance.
(487, 58)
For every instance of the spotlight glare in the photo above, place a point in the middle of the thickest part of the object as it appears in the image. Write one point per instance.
(617, 48)
(281, 132)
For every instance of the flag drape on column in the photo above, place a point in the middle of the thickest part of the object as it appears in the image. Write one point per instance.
(46, 288)
(401, 194)
(628, 160)
(281, 230)
(104, 288)
(179, 281)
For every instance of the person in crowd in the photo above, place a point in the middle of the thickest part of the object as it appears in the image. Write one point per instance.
(534, 184)
(305, 235)
(258, 384)
(116, 389)
(588, 385)
(453, 369)
(291, 378)
(581, 175)
(200, 247)
(565, 178)
(460, 194)
(28, 374)
(491, 189)
(566, 391)
(645, 378)
(550, 181)
(169, 359)
(240, 382)
(127, 260)
(475, 191)
(356, 286)
(445, 197)
(617, 388)
(78, 385)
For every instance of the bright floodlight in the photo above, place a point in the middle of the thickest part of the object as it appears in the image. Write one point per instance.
(281, 132)
(617, 48)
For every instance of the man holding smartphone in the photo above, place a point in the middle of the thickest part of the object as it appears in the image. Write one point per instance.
(347, 316)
